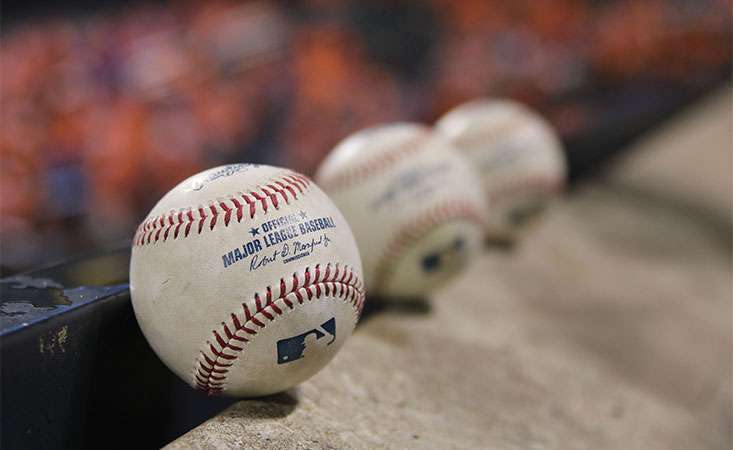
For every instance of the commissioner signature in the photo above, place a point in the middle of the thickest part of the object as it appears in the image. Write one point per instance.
(289, 252)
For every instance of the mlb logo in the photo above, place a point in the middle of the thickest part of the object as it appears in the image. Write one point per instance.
(299, 346)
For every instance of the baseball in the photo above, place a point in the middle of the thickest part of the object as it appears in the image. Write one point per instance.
(414, 205)
(518, 155)
(245, 279)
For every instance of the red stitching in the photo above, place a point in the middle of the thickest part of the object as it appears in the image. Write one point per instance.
(212, 366)
(359, 173)
(417, 228)
(185, 220)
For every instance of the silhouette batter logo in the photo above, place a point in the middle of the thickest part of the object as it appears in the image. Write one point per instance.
(300, 346)
(441, 258)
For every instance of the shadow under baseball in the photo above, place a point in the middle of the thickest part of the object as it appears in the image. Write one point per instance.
(274, 406)
(376, 305)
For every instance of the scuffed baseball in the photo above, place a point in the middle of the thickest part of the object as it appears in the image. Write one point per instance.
(245, 279)
(518, 155)
(415, 206)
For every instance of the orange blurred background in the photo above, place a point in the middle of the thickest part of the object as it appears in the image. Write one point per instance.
(104, 111)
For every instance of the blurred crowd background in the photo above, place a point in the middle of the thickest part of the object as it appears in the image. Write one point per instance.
(103, 111)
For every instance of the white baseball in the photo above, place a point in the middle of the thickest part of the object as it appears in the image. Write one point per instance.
(518, 155)
(245, 279)
(414, 205)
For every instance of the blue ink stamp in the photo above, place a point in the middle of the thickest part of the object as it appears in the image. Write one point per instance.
(434, 261)
(296, 347)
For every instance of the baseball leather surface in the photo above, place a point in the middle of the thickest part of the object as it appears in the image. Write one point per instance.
(518, 155)
(245, 279)
(415, 206)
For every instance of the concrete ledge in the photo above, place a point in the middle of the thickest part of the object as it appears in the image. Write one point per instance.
(610, 327)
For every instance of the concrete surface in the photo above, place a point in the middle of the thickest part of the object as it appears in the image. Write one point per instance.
(609, 327)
